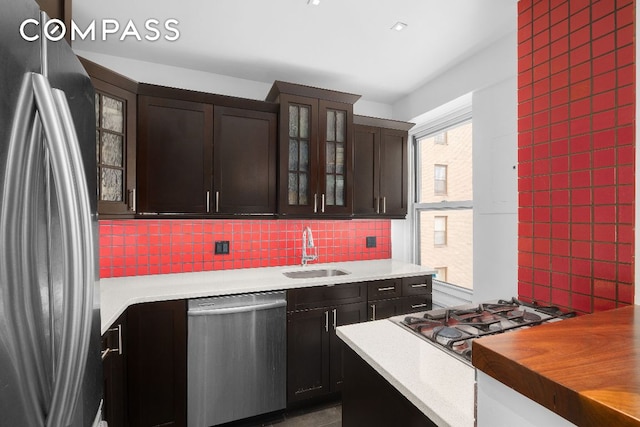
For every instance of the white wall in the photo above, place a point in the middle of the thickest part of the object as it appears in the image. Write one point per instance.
(496, 63)
(490, 76)
(495, 192)
(184, 78)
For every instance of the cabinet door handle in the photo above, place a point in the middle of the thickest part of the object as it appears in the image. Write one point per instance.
(373, 314)
(335, 318)
(384, 204)
(315, 202)
(420, 285)
(326, 321)
(377, 205)
(386, 289)
(418, 305)
(208, 201)
(118, 350)
(217, 201)
(322, 205)
(132, 200)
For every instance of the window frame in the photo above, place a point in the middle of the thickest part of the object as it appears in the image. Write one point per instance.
(430, 128)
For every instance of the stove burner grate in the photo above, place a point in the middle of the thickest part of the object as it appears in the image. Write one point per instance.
(447, 332)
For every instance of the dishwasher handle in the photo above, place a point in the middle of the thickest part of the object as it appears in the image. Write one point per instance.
(238, 309)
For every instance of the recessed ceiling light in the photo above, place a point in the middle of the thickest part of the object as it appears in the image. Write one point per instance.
(313, 2)
(399, 26)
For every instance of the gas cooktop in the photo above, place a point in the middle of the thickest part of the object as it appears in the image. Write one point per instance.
(453, 329)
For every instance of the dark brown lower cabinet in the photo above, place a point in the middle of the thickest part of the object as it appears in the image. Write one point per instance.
(393, 297)
(114, 373)
(369, 400)
(342, 315)
(382, 309)
(157, 364)
(314, 352)
(307, 354)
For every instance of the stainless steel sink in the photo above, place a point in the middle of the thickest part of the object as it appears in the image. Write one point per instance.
(309, 274)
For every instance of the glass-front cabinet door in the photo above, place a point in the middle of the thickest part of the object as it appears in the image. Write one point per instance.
(335, 155)
(317, 155)
(110, 147)
(115, 150)
(299, 151)
(315, 143)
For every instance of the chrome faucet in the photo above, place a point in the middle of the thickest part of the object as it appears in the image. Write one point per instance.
(309, 252)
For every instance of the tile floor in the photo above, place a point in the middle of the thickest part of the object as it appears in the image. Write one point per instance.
(328, 415)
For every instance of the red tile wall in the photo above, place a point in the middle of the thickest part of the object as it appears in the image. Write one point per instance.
(140, 247)
(576, 151)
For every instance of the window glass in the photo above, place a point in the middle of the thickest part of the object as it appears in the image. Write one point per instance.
(444, 202)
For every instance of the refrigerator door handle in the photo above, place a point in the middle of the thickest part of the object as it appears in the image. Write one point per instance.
(77, 243)
(16, 232)
(85, 237)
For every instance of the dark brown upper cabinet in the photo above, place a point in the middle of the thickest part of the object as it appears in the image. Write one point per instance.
(244, 161)
(175, 156)
(380, 167)
(315, 147)
(205, 155)
(115, 104)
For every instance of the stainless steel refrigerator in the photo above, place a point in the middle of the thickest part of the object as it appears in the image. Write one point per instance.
(50, 366)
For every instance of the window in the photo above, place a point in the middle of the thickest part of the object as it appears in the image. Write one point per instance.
(440, 138)
(441, 274)
(440, 179)
(444, 226)
(440, 231)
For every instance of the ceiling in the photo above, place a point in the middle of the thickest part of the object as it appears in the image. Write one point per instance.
(346, 45)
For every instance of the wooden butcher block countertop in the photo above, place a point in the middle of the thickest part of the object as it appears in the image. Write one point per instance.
(585, 369)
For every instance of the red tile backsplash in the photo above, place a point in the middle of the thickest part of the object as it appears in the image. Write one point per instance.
(576, 152)
(141, 247)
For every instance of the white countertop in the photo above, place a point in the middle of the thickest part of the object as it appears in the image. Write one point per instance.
(116, 294)
(438, 384)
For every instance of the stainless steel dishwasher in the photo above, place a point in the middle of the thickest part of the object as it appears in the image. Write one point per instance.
(236, 357)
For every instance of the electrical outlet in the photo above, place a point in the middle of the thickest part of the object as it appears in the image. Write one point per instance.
(371, 241)
(222, 247)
